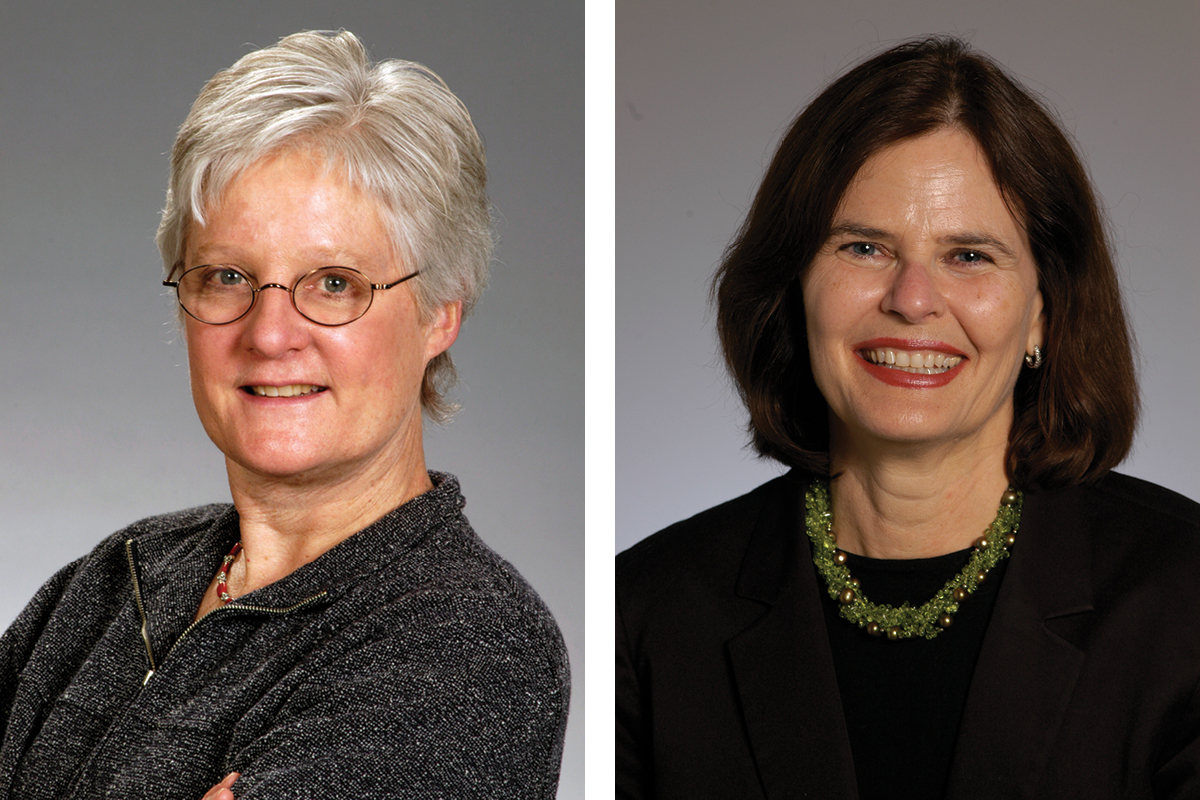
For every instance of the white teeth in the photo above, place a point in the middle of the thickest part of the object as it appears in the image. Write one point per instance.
(921, 363)
(293, 390)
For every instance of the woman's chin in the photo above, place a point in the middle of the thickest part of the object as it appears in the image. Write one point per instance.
(920, 427)
(284, 464)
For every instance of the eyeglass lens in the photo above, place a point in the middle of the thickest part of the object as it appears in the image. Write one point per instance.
(219, 294)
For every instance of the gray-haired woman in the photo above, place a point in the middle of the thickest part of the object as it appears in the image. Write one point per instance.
(339, 626)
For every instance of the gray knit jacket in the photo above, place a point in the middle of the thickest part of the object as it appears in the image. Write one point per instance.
(410, 661)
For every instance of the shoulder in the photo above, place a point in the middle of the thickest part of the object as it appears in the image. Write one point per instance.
(488, 593)
(713, 534)
(1155, 503)
(1134, 532)
(169, 529)
(1138, 525)
(433, 591)
(1122, 509)
(699, 560)
(188, 518)
(449, 565)
(81, 596)
(161, 527)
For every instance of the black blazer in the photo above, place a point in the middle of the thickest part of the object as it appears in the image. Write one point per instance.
(1087, 684)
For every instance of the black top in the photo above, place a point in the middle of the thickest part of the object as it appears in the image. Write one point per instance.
(903, 700)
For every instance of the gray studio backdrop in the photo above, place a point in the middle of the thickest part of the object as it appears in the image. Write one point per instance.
(704, 92)
(98, 427)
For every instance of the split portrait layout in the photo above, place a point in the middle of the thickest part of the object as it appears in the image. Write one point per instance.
(897, 499)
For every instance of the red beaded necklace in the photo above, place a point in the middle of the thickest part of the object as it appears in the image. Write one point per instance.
(223, 574)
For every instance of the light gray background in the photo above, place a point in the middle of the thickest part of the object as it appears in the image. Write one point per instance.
(98, 425)
(705, 91)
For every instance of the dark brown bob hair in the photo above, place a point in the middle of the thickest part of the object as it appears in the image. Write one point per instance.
(1075, 416)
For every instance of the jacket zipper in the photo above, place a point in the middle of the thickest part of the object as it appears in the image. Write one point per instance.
(134, 568)
(131, 554)
(236, 606)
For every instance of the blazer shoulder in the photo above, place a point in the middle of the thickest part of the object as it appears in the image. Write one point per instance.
(713, 539)
(1127, 525)
(1150, 500)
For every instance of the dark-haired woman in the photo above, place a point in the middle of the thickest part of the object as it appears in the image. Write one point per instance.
(950, 594)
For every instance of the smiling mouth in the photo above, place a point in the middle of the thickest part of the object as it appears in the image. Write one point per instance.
(293, 390)
(916, 361)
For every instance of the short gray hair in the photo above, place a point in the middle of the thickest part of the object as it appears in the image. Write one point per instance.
(396, 130)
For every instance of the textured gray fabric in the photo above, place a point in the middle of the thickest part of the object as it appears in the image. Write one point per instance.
(409, 661)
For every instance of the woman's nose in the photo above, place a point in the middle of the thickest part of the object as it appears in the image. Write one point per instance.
(913, 293)
(274, 326)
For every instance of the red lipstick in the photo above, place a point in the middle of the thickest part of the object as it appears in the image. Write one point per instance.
(909, 380)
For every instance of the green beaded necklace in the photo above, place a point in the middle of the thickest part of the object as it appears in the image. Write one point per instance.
(905, 622)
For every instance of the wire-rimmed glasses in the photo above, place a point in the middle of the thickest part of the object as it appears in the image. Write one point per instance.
(218, 294)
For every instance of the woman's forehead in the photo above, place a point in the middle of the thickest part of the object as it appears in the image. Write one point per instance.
(942, 179)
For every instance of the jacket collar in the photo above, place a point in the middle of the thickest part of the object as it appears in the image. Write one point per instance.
(783, 667)
(1032, 652)
(782, 664)
(175, 566)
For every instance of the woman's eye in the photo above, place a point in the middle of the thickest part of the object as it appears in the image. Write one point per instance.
(333, 284)
(864, 249)
(971, 257)
(227, 277)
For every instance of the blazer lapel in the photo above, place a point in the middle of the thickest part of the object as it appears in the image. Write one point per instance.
(782, 664)
(1030, 658)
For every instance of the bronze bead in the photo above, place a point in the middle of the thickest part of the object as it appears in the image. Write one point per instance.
(982, 543)
(981, 576)
(847, 597)
(874, 629)
(839, 557)
(855, 583)
(960, 594)
(893, 632)
(1010, 540)
(1009, 498)
(945, 621)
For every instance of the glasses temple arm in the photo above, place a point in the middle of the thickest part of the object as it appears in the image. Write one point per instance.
(395, 283)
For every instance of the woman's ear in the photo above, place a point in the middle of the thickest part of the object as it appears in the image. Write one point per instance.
(442, 329)
(1037, 325)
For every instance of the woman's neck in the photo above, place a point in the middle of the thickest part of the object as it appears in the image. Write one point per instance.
(910, 502)
(287, 524)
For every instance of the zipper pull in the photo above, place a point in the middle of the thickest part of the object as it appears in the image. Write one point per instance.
(146, 679)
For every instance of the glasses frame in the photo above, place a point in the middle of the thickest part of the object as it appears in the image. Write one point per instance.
(255, 289)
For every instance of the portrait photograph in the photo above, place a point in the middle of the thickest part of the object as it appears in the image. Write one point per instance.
(905, 436)
(416, 162)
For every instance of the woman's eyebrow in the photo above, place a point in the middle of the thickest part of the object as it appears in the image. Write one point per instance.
(214, 254)
(974, 239)
(854, 229)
